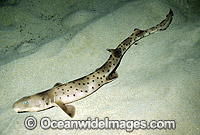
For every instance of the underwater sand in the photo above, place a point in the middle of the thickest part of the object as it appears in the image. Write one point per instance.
(158, 79)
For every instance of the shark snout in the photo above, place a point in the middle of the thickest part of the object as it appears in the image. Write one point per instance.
(15, 108)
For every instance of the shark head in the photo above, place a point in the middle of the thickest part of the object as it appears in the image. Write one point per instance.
(34, 103)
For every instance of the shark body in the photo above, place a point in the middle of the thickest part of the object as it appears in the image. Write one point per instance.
(63, 94)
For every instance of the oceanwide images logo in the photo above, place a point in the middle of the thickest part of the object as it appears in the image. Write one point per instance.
(129, 125)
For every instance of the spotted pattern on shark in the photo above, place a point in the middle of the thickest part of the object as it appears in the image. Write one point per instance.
(62, 95)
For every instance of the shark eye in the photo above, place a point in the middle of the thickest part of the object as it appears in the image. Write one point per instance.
(25, 102)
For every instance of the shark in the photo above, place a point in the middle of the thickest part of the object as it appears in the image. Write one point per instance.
(62, 95)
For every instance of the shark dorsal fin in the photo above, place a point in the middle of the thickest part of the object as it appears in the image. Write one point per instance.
(57, 84)
(115, 52)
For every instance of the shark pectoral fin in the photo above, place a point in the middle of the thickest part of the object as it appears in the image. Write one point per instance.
(68, 109)
(112, 76)
(57, 84)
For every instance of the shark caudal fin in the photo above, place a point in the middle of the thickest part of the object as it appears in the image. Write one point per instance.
(165, 23)
(68, 109)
